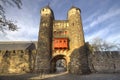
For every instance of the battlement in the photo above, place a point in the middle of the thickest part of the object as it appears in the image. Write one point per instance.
(60, 35)
(60, 24)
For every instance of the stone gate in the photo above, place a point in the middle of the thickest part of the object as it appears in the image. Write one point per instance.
(61, 39)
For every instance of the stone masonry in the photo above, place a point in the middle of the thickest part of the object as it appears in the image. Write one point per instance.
(58, 39)
(17, 57)
(61, 37)
(104, 62)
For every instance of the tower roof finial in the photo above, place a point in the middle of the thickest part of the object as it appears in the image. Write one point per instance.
(48, 4)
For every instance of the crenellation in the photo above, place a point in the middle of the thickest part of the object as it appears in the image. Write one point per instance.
(58, 39)
(59, 24)
(66, 35)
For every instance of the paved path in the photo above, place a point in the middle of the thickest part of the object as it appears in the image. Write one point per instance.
(62, 76)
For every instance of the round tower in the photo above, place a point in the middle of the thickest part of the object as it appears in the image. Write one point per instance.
(44, 49)
(76, 29)
(78, 58)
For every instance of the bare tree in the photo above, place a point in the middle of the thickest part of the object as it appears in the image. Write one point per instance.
(117, 46)
(6, 24)
(102, 45)
(97, 44)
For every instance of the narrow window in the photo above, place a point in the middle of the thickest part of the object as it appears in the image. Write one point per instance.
(65, 32)
(73, 24)
(60, 41)
(64, 41)
(54, 32)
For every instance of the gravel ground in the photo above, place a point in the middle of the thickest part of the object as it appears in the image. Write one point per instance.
(61, 76)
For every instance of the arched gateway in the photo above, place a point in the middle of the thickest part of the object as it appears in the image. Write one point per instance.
(61, 39)
(58, 62)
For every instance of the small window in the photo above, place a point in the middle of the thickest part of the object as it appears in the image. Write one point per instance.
(13, 51)
(73, 24)
(22, 51)
(44, 9)
(60, 32)
(65, 32)
(60, 41)
(64, 41)
(54, 32)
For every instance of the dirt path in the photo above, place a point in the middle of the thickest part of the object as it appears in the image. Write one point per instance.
(61, 76)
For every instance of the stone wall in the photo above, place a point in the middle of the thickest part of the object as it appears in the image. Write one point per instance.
(104, 61)
(17, 61)
(79, 61)
(78, 58)
(44, 49)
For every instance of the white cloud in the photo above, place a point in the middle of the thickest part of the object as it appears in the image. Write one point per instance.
(27, 20)
(113, 38)
(104, 17)
(97, 34)
(110, 30)
(91, 17)
(55, 2)
(100, 19)
(103, 33)
(27, 33)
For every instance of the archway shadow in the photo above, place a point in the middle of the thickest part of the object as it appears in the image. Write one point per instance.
(58, 67)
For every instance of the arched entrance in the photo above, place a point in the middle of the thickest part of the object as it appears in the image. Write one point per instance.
(58, 64)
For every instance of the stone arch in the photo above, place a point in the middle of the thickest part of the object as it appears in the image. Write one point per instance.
(55, 59)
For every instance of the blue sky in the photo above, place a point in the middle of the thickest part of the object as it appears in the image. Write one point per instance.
(100, 18)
